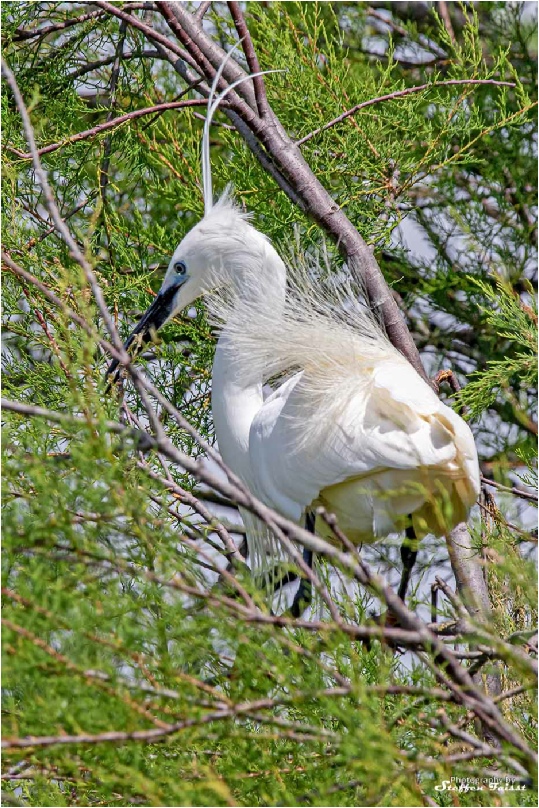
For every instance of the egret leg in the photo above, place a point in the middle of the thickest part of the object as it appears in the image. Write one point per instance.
(408, 556)
(304, 595)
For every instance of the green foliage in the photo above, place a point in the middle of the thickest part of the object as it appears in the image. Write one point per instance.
(113, 622)
(515, 323)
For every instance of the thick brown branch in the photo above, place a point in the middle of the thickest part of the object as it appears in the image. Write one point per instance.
(208, 56)
(148, 31)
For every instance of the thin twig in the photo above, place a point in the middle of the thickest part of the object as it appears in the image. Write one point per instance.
(515, 691)
(89, 329)
(423, 40)
(454, 600)
(448, 376)
(22, 34)
(399, 94)
(61, 659)
(60, 225)
(444, 14)
(107, 145)
(36, 240)
(189, 499)
(88, 67)
(518, 492)
(202, 9)
(149, 32)
(250, 55)
(112, 124)
(159, 733)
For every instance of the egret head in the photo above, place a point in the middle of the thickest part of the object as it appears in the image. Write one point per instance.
(222, 248)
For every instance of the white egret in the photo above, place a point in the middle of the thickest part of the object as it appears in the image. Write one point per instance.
(354, 429)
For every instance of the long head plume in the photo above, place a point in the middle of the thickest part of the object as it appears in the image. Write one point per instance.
(193, 266)
(319, 328)
(213, 105)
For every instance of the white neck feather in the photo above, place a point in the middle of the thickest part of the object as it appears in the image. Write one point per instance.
(235, 401)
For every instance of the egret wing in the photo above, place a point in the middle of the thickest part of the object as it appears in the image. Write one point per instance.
(378, 458)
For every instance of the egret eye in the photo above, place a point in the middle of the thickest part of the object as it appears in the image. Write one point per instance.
(180, 268)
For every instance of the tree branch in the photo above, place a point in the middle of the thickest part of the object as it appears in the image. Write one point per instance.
(59, 223)
(444, 14)
(88, 67)
(202, 9)
(459, 681)
(22, 34)
(250, 55)
(398, 94)
(112, 124)
(148, 31)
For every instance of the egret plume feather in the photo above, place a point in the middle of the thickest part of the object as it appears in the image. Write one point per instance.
(213, 106)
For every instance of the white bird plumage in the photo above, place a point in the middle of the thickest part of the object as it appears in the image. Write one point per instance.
(354, 429)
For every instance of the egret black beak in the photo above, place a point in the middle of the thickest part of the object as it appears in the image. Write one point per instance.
(146, 329)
